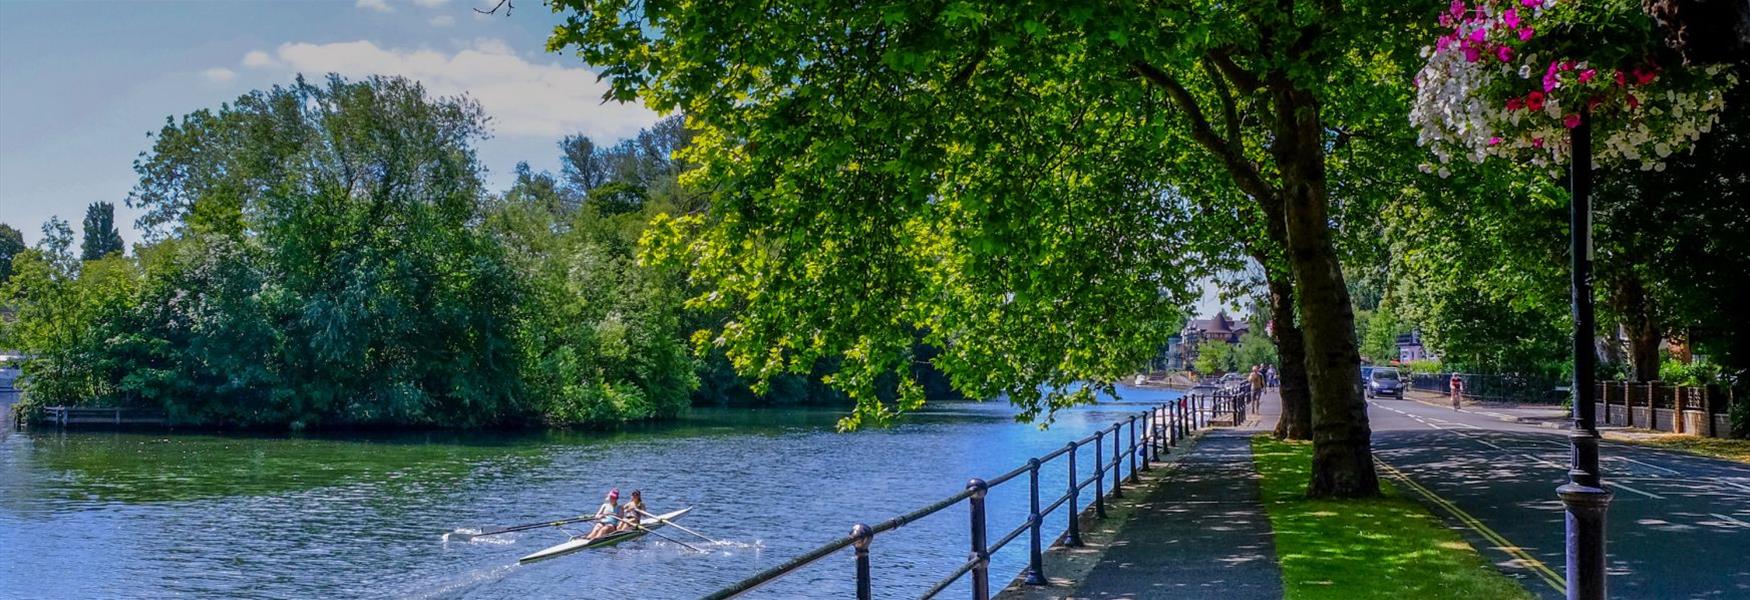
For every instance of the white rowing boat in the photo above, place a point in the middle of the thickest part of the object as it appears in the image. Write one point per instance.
(581, 543)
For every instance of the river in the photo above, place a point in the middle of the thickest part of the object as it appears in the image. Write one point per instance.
(144, 515)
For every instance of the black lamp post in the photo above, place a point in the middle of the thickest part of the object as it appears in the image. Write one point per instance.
(1584, 494)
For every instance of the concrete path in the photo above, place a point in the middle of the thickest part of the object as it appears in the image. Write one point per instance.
(1200, 533)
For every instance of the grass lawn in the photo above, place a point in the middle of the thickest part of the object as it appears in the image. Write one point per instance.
(1390, 547)
(1738, 450)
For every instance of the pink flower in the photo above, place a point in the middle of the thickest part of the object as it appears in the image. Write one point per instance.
(1511, 18)
(1445, 42)
(1525, 34)
(1537, 142)
(1478, 35)
(1633, 102)
(1514, 104)
(1531, 3)
(1621, 79)
(1587, 75)
(1572, 120)
(1593, 102)
(1471, 54)
(1504, 53)
(1534, 101)
(1457, 8)
(1494, 140)
(1643, 77)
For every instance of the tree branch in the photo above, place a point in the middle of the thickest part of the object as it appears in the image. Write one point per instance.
(1244, 172)
(1229, 110)
(1244, 81)
(505, 4)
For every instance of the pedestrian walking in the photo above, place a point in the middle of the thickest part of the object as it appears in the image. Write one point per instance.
(1257, 381)
(1457, 385)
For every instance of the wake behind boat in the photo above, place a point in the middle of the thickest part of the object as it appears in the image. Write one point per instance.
(577, 544)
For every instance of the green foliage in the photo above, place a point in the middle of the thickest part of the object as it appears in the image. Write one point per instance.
(1254, 349)
(11, 245)
(1425, 367)
(1215, 358)
(101, 238)
(1378, 331)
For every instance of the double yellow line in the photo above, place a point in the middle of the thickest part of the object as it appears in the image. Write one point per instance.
(1542, 571)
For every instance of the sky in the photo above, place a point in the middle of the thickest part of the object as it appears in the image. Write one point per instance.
(81, 85)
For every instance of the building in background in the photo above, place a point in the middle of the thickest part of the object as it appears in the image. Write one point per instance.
(1220, 329)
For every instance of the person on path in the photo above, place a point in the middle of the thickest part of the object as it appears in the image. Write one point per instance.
(1257, 381)
(1457, 385)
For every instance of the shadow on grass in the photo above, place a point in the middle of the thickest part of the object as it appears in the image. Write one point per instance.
(1389, 547)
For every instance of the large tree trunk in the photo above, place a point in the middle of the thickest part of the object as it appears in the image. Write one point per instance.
(1342, 445)
(1296, 421)
(1628, 298)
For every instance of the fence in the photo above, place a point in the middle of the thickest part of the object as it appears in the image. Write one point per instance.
(1523, 389)
(1164, 426)
(1699, 410)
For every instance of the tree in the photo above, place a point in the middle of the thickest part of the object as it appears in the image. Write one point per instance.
(11, 244)
(1254, 349)
(101, 238)
(1214, 358)
(1000, 175)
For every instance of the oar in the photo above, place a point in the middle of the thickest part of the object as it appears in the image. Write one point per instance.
(678, 526)
(653, 532)
(465, 536)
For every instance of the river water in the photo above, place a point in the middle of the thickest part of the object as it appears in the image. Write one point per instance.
(142, 515)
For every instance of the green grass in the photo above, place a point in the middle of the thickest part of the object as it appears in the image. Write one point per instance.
(1729, 449)
(1388, 547)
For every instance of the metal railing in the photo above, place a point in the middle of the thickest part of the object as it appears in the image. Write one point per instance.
(1163, 427)
(1496, 388)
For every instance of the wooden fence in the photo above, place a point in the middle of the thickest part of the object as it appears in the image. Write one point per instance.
(1698, 410)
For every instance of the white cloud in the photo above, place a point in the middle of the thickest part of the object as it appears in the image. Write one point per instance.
(522, 98)
(219, 74)
(376, 5)
(256, 59)
(431, 3)
(443, 21)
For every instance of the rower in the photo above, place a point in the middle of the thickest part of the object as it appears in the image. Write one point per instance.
(607, 516)
(631, 511)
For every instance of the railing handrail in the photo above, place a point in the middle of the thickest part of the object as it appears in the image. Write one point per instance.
(1165, 424)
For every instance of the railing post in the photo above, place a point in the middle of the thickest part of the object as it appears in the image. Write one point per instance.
(1147, 436)
(980, 553)
(1117, 462)
(1132, 451)
(1074, 538)
(861, 532)
(1035, 559)
(1099, 474)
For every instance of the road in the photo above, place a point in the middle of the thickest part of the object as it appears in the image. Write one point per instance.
(1679, 526)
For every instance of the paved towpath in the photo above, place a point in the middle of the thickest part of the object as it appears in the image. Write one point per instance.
(1200, 534)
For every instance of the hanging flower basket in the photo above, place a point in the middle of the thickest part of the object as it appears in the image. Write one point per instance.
(1509, 78)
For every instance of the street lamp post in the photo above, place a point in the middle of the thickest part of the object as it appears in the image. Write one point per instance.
(1584, 494)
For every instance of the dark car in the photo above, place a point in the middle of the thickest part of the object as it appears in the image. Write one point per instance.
(1384, 381)
(1365, 371)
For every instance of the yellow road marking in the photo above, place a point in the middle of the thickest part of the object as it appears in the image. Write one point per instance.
(1542, 570)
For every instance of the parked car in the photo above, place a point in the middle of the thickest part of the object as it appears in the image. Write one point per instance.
(1384, 381)
(1365, 371)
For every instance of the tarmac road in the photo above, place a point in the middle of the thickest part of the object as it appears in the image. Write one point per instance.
(1679, 525)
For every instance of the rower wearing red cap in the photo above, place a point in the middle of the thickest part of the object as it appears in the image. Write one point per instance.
(607, 516)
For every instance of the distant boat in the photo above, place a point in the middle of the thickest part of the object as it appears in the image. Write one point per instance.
(579, 544)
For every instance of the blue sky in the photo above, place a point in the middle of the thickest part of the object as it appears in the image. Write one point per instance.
(81, 84)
